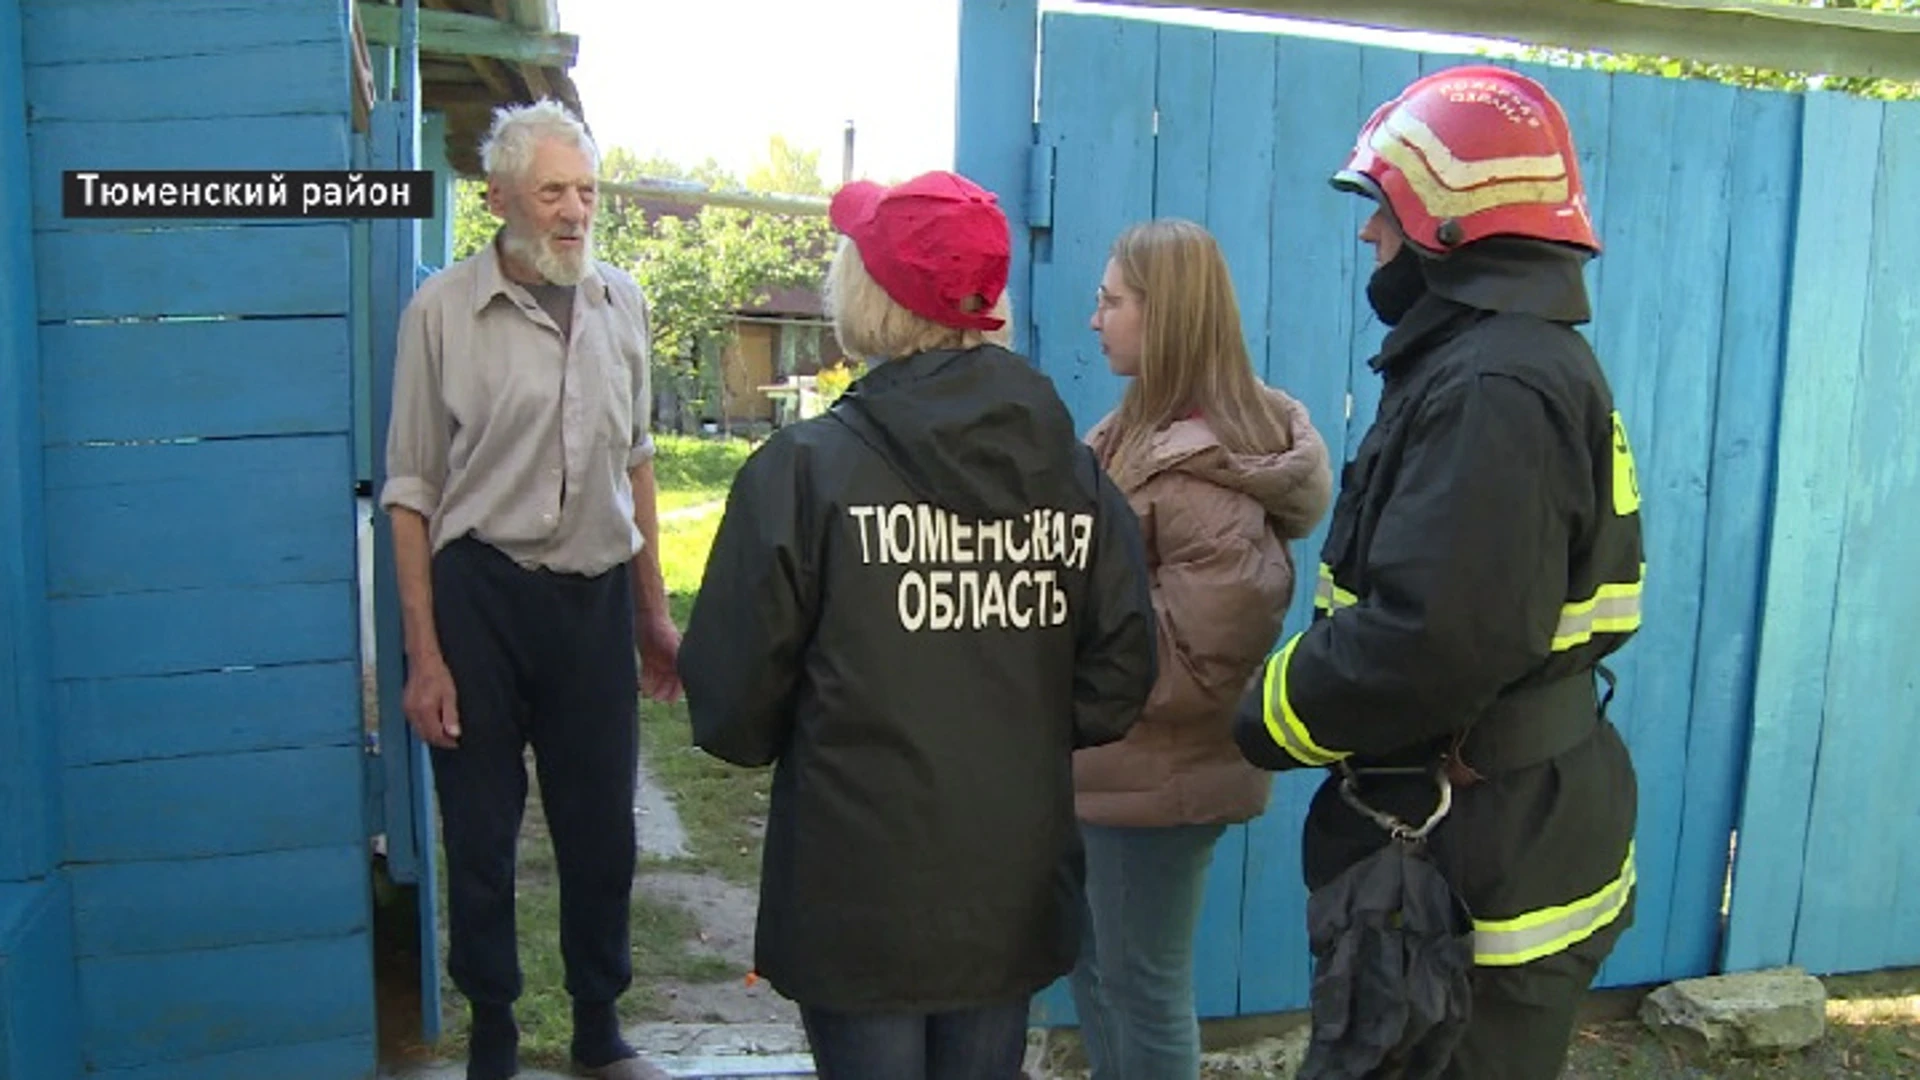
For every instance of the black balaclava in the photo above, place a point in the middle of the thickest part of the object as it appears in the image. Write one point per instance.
(1397, 285)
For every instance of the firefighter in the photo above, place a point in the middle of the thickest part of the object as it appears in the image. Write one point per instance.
(1483, 559)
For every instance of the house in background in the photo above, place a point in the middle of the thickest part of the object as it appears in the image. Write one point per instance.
(777, 346)
(784, 342)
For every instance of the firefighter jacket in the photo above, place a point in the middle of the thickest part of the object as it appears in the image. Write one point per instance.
(916, 608)
(1483, 558)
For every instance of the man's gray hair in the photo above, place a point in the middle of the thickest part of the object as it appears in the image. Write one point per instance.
(507, 152)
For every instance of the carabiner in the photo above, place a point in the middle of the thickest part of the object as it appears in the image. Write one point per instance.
(1395, 827)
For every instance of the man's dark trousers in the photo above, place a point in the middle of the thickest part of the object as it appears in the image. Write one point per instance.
(545, 659)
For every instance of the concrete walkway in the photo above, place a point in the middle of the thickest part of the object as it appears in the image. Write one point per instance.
(690, 1052)
(661, 834)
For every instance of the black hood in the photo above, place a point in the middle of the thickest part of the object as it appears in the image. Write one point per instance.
(979, 432)
(1499, 275)
(1513, 275)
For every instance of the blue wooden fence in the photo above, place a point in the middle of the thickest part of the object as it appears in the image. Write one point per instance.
(180, 412)
(1755, 264)
(1828, 873)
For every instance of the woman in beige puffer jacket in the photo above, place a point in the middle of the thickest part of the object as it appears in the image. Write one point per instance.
(1223, 473)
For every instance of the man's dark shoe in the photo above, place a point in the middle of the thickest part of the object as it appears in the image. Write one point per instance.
(493, 1048)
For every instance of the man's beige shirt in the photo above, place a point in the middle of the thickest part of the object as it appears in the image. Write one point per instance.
(506, 431)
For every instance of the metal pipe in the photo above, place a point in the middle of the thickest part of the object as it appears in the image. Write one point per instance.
(684, 193)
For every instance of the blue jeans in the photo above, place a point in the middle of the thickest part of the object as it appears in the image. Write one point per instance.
(971, 1044)
(1133, 987)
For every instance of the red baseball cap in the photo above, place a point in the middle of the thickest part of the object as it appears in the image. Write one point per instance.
(932, 243)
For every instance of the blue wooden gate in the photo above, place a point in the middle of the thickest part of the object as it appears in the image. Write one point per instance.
(1697, 188)
(197, 521)
(1828, 872)
(392, 271)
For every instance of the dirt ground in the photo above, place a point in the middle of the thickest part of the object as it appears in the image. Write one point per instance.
(725, 912)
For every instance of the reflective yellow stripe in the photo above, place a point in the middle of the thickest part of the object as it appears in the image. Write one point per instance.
(1283, 724)
(1396, 144)
(1327, 596)
(1626, 478)
(1507, 942)
(1614, 608)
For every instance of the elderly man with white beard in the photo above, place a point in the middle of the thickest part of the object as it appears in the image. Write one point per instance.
(520, 485)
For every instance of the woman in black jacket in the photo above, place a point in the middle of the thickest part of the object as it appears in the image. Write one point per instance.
(917, 607)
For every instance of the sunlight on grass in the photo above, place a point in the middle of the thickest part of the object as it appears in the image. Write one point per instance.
(692, 471)
(722, 807)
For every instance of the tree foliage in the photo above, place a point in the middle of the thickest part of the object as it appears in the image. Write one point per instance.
(1673, 67)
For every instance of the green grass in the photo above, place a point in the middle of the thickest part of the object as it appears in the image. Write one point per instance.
(691, 471)
(663, 939)
(721, 806)
(716, 802)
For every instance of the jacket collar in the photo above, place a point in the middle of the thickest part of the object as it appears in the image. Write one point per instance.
(1433, 319)
(1495, 276)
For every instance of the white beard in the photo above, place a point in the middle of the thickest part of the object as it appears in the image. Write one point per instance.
(558, 267)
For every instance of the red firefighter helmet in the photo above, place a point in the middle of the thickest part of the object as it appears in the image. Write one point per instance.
(1472, 152)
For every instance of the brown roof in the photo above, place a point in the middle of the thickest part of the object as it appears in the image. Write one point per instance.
(468, 88)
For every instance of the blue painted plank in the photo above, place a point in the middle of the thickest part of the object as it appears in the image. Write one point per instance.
(125, 909)
(222, 1001)
(1216, 940)
(1183, 102)
(993, 126)
(39, 1015)
(1239, 203)
(233, 804)
(1587, 98)
(77, 31)
(408, 789)
(1682, 373)
(28, 832)
(258, 270)
(1228, 83)
(226, 512)
(1102, 134)
(272, 80)
(202, 630)
(1317, 261)
(1384, 72)
(103, 721)
(1863, 824)
(279, 143)
(1314, 263)
(1629, 318)
(392, 250)
(351, 1058)
(1893, 323)
(1825, 333)
(1766, 154)
(176, 380)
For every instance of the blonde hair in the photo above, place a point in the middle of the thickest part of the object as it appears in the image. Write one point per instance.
(870, 324)
(1193, 355)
